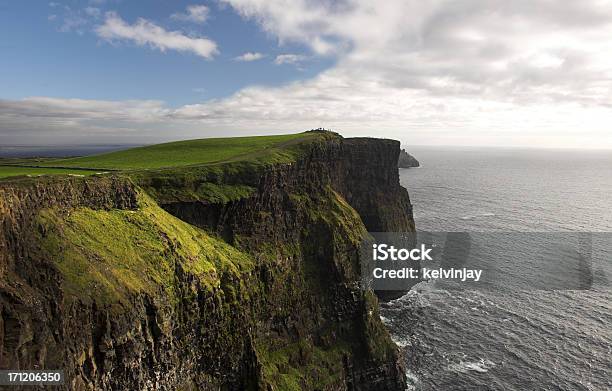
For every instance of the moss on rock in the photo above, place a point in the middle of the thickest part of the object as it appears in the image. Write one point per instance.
(109, 255)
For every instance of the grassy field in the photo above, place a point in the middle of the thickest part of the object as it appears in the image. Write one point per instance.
(12, 171)
(25, 160)
(205, 153)
(183, 153)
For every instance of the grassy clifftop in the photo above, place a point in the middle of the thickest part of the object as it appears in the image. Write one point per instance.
(189, 153)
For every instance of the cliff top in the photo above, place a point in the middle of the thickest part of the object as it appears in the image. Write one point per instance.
(209, 151)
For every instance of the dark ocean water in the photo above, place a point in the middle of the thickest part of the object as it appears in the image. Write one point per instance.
(520, 337)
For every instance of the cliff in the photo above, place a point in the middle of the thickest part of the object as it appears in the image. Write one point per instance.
(406, 160)
(239, 276)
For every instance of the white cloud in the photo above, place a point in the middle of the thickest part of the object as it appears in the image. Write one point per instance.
(371, 108)
(71, 20)
(146, 33)
(249, 56)
(75, 20)
(521, 50)
(41, 120)
(194, 13)
(446, 66)
(297, 20)
(481, 72)
(289, 59)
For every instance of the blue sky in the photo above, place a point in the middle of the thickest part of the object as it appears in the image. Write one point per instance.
(531, 73)
(44, 55)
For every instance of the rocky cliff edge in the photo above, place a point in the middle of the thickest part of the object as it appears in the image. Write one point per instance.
(236, 276)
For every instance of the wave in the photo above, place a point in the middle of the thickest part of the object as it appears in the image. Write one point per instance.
(481, 366)
(412, 380)
(477, 215)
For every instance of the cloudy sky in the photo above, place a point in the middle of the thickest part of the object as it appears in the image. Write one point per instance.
(439, 72)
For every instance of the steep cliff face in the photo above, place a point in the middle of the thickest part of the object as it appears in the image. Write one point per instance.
(369, 181)
(362, 170)
(246, 279)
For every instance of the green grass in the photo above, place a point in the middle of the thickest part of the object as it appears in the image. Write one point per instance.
(13, 171)
(185, 153)
(301, 365)
(32, 161)
(108, 255)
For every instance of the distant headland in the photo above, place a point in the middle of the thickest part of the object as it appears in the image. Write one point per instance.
(406, 160)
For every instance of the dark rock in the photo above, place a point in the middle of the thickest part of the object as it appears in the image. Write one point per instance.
(302, 300)
(406, 160)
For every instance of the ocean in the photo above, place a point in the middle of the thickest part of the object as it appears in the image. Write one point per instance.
(521, 337)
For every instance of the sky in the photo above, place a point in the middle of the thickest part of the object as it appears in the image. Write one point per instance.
(528, 73)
